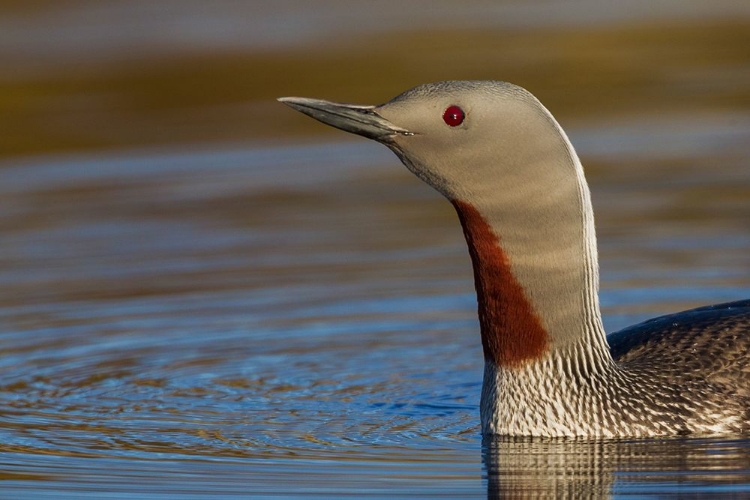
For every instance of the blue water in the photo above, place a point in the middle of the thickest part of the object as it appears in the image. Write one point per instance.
(218, 303)
(288, 320)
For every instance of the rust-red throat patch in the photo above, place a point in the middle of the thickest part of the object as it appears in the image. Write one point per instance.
(512, 333)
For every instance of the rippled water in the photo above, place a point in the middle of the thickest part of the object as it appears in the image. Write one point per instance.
(297, 320)
(200, 298)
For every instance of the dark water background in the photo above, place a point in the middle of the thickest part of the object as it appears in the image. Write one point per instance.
(204, 293)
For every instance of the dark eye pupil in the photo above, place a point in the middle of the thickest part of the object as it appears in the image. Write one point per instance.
(453, 116)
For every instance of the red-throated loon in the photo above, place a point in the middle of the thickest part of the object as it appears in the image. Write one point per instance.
(508, 168)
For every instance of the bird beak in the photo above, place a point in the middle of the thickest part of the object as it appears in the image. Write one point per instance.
(360, 120)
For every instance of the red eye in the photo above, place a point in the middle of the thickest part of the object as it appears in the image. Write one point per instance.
(453, 116)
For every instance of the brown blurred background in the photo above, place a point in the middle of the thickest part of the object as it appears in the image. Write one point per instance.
(82, 75)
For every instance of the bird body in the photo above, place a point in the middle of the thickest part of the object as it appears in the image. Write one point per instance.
(499, 156)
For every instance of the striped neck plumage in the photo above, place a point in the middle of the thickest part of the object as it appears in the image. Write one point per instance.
(534, 256)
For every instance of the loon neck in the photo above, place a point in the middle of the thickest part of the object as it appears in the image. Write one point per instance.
(535, 266)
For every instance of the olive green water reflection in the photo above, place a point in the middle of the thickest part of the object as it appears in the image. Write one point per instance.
(201, 298)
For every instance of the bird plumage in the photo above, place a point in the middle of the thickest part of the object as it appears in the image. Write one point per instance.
(508, 168)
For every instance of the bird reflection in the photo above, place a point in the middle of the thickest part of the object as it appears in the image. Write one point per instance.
(578, 468)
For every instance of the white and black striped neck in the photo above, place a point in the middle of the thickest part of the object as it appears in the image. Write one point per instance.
(532, 242)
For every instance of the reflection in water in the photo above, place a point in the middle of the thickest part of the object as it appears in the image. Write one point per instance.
(570, 468)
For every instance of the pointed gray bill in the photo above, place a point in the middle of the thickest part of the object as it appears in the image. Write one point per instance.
(360, 120)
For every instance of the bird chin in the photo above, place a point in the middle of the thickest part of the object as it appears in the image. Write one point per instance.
(437, 182)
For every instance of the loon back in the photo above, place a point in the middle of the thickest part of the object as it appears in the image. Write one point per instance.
(710, 342)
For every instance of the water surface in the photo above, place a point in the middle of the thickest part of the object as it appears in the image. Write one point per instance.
(203, 294)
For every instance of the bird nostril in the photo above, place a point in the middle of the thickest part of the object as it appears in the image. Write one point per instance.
(453, 115)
